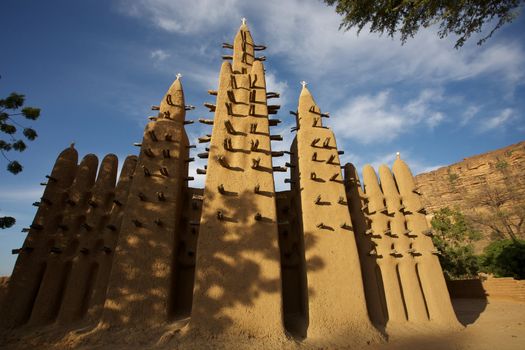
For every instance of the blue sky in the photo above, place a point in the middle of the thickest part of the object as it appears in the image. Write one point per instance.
(95, 67)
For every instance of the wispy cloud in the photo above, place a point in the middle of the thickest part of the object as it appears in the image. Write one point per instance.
(276, 85)
(378, 118)
(498, 121)
(417, 166)
(159, 55)
(305, 39)
(468, 115)
(181, 16)
(314, 46)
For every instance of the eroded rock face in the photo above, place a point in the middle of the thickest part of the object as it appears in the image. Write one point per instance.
(467, 184)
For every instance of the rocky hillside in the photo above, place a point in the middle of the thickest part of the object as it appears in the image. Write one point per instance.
(479, 185)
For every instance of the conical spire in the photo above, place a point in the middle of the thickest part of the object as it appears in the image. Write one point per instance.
(400, 164)
(305, 93)
(172, 105)
(309, 112)
(243, 52)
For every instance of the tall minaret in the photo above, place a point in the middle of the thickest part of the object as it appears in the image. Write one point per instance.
(237, 281)
(336, 302)
(141, 276)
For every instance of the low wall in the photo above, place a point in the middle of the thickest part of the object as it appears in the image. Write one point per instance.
(505, 288)
(466, 289)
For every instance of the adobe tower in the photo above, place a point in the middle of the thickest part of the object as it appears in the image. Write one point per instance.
(328, 263)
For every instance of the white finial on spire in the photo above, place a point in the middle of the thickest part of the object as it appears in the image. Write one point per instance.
(243, 21)
(304, 83)
(398, 155)
(178, 75)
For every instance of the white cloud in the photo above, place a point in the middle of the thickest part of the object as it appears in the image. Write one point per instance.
(207, 77)
(434, 119)
(417, 166)
(306, 34)
(467, 116)
(498, 121)
(159, 55)
(275, 85)
(376, 118)
(181, 16)
(199, 179)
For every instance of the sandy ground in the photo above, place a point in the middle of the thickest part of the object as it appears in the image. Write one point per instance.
(500, 326)
(489, 324)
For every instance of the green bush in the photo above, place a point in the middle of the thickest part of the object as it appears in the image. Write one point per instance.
(505, 258)
(502, 164)
(453, 238)
(458, 262)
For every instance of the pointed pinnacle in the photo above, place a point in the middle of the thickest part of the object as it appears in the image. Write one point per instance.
(304, 90)
(172, 105)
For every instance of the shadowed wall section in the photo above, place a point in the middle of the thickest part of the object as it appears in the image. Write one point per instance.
(73, 259)
(293, 272)
(31, 264)
(184, 262)
(59, 262)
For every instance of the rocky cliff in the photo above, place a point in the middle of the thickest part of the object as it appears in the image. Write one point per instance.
(479, 185)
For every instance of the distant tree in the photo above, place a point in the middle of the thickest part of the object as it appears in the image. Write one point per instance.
(453, 238)
(505, 258)
(460, 17)
(500, 207)
(11, 112)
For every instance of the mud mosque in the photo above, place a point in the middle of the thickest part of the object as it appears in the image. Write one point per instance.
(332, 262)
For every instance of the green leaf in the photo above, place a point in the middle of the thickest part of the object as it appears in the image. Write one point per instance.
(19, 146)
(7, 221)
(13, 101)
(453, 237)
(14, 167)
(30, 134)
(5, 146)
(31, 113)
(8, 128)
(3, 116)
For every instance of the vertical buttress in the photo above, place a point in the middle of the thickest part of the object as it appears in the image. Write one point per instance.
(428, 269)
(89, 243)
(25, 280)
(58, 264)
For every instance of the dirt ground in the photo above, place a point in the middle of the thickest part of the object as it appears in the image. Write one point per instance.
(501, 325)
(489, 324)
